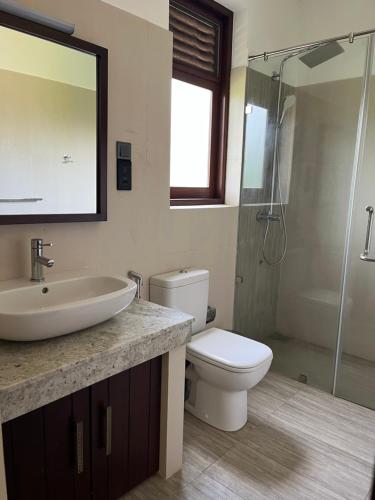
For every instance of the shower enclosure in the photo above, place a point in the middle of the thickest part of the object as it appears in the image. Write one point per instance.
(305, 281)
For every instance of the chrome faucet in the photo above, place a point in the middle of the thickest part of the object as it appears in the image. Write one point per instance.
(38, 260)
(138, 278)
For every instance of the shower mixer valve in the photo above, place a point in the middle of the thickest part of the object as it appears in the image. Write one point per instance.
(267, 216)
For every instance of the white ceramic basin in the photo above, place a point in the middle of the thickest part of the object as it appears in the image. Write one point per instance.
(43, 310)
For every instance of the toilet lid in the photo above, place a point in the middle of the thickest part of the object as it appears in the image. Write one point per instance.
(228, 349)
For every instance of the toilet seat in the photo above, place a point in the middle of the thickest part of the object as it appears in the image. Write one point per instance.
(229, 351)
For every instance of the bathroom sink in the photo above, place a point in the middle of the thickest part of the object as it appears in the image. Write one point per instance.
(30, 311)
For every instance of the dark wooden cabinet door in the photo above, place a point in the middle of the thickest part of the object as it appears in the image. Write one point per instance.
(81, 415)
(24, 457)
(144, 421)
(59, 449)
(96, 444)
(41, 451)
(110, 437)
(66, 429)
(139, 418)
(118, 459)
(155, 400)
(134, 401)
(110, 431)
(99, 458)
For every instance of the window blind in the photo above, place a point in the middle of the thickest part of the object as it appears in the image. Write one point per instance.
(195, 39)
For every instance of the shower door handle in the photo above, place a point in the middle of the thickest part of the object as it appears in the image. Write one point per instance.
(364, 256)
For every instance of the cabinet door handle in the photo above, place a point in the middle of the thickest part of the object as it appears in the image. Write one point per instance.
(108, 430)
(79, 447)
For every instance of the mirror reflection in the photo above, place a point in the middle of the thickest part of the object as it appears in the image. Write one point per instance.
(48, 127)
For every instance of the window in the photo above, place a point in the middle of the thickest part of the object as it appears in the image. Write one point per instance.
(202, 42)
(255, 146)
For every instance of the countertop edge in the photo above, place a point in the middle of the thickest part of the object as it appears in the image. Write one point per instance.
(29, 395)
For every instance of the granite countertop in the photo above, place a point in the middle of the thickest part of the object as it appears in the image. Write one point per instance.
(33, 374)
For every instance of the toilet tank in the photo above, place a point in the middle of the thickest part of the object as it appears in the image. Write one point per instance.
(185, 290)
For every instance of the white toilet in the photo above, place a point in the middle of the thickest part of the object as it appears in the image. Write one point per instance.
(223, 365)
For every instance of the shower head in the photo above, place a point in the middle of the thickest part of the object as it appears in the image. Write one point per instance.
(321, 54)
(289, 102)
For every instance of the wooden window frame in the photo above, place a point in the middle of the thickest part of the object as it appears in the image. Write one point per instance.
(219, 85)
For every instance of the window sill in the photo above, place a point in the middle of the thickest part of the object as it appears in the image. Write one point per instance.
(186, 202)
(192, 207)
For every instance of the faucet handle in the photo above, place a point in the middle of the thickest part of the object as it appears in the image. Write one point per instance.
(50, 244)
(38, 243)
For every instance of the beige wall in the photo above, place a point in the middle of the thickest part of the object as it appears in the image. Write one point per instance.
(42, 120)
(142, 231)
(274, 24)
(153, 11)
(324, 18)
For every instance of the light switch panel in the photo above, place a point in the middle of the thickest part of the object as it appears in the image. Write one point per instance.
(124, 166)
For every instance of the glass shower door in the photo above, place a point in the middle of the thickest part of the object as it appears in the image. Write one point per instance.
(355, 376)
(294, 307)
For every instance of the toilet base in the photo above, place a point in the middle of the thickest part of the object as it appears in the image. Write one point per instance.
(225, 410)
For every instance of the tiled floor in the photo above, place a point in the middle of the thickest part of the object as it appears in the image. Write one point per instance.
(299, 443)
(356, 376)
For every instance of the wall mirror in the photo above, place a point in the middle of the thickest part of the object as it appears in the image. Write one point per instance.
(53, 127)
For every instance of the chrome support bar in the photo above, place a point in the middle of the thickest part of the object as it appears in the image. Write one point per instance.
(364, 256)
(311, 45)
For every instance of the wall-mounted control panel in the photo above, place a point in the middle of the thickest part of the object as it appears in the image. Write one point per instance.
(124, 166)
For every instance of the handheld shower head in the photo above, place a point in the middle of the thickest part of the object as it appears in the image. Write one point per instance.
(289, 102)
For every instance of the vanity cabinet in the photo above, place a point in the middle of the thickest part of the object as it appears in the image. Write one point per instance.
(96, 443)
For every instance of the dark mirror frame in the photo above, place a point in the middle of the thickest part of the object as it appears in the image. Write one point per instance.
(30, 28)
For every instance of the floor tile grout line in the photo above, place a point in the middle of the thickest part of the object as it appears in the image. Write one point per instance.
(302, 475)
(340, 450)
(233, 444)
(221, 484)
(266, 419)
(272, 412)
(283, 401)
(217, 480)
(333, 398)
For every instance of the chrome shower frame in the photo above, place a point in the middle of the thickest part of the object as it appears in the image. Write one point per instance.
(357, 161)
(358, 156)
(311, 45)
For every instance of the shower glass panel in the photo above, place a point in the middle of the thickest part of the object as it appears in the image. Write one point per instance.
(356, 369)
(294, 306)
